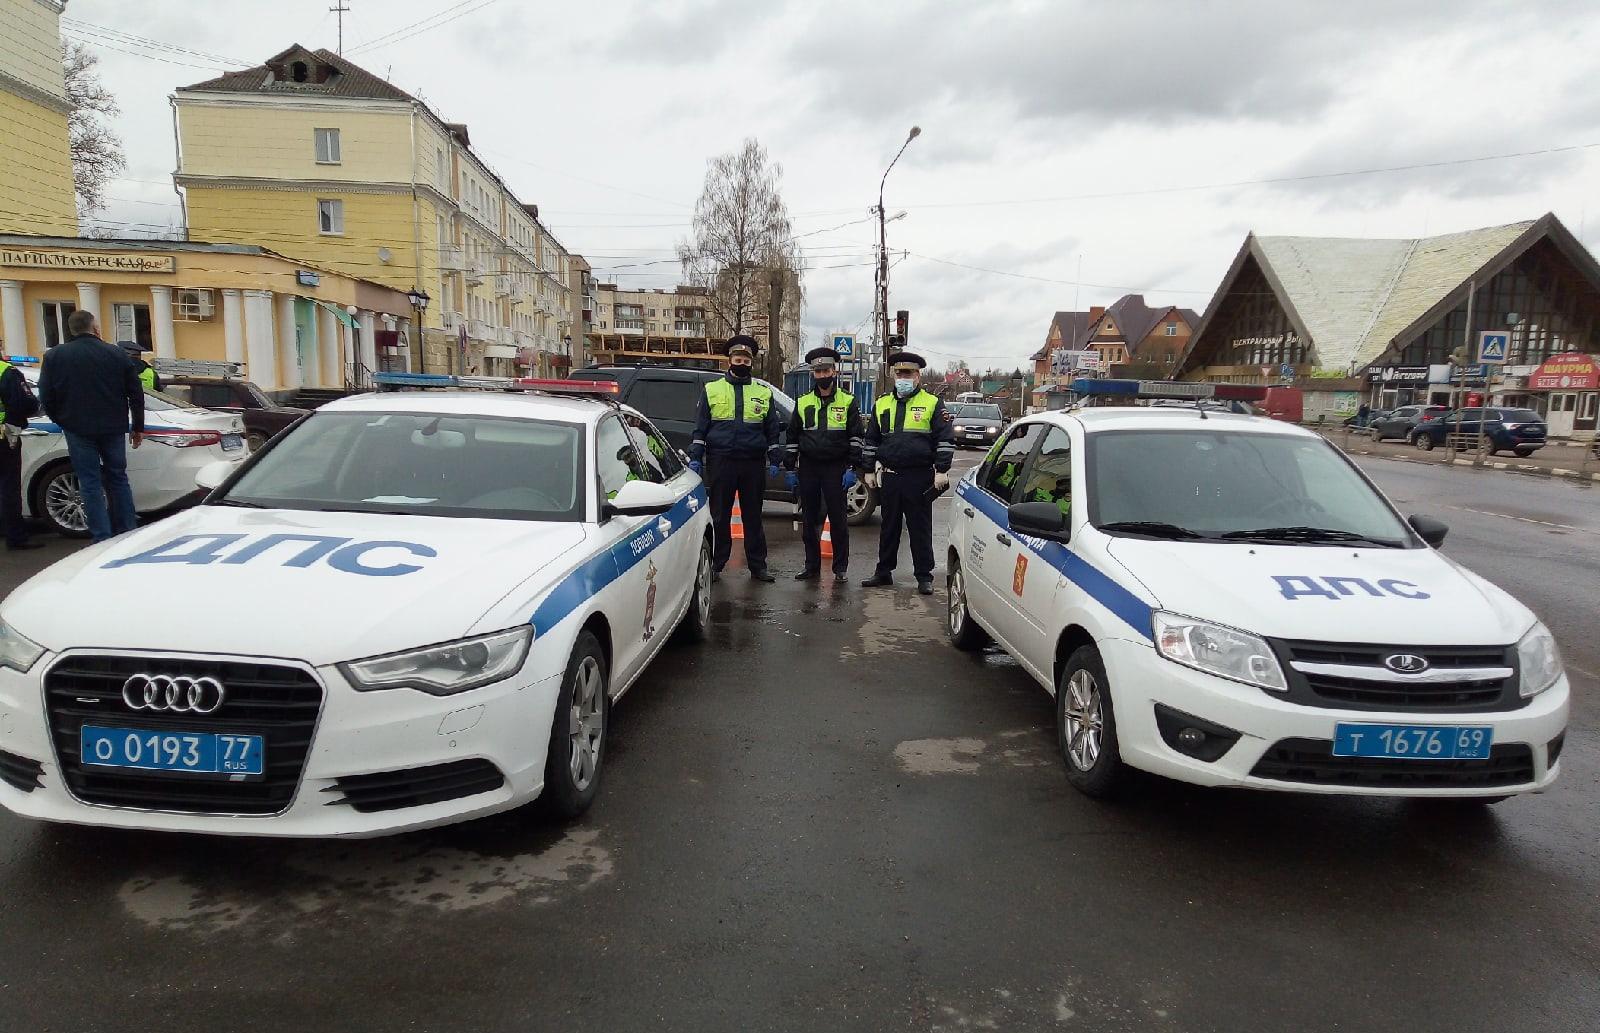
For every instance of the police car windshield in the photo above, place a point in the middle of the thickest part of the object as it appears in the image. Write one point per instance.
(1268, 488)
(420, 463)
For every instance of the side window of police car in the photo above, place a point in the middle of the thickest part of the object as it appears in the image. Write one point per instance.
(1049, 476)
(1003, 469)
(616, 459)
(660, 462)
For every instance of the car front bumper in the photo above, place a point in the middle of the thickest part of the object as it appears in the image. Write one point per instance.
(507, 724)
(1141, 679)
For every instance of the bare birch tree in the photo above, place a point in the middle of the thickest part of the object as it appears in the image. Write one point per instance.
(742, 245)
(96, 148)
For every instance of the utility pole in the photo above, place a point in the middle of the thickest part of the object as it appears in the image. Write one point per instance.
(339, 8)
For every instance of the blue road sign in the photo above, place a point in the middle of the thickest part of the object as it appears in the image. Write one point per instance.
(845, 345)
(1492, 347)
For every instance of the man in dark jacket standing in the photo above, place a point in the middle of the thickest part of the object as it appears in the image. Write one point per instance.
(736, 445)
(824, 441)
(914, 441)
(17, 403)
(92, 391)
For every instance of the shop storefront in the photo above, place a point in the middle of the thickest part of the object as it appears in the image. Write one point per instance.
(1389, 387)
(1566, 389)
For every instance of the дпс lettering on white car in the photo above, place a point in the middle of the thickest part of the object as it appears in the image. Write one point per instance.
(1229, 601)
(471, 577)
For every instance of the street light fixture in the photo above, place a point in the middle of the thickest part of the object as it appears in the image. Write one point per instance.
(419, 300)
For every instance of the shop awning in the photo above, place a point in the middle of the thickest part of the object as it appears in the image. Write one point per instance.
(499, 351)
(338, 313)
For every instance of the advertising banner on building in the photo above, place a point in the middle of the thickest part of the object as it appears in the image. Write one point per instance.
(1397, 374)
(1570, 372)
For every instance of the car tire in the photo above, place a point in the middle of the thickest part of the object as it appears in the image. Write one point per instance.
(58, 501)
(696, 624)
(1425, 442)
(860, 502)
(964, 632)
(1086, 726)
(575, 760)
(256, 440)
(1523, 453)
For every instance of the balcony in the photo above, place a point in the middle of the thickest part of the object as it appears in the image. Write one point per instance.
(454, 320)
(507, 337)
(475, 272)
(523, 339)
(479, 330)
(503, 285)
(452, 258)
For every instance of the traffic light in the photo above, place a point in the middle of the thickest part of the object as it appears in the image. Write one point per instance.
(902, 322)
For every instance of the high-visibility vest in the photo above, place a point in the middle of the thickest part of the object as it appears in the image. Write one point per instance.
(840, 407)
(147, 377)
(4, 368)
(919, 413)
(720, 399)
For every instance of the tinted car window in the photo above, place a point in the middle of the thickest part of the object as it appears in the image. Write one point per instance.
(1049, 478)
(617, 459)
(654, 451)
(1520, 416)
(667, 399)
(1003, 472)
(981, 412)
(212, 396)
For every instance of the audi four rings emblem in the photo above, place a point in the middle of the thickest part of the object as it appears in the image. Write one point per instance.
(174, 694)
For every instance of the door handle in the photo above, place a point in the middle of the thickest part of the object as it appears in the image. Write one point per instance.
(967, 510)
(1003, 539)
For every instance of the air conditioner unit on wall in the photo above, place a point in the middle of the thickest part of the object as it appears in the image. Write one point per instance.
(193, 304)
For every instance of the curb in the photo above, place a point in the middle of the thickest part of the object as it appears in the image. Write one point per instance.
(1534, 471)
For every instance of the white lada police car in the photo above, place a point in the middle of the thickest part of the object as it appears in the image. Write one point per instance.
(413, 608)
(1229, 601)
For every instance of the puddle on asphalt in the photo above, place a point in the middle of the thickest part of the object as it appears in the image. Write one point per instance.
(896, 621)
(338, 876)
(1040, 1008)
(1019, 748)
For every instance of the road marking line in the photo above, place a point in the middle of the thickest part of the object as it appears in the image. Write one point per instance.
(1523, 519)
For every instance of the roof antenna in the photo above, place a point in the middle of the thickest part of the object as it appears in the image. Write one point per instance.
(339, 8)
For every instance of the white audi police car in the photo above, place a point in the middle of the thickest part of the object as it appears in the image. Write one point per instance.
(1229, 601)
(411, 609)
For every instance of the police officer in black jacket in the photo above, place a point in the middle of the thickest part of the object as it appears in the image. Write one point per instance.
(824, 441)
(912, 438)
(17, 403)
(736, 445)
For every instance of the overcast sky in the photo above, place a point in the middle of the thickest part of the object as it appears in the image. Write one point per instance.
(1083, 148)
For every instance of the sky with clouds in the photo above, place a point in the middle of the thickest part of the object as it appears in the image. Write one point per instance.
(1071, 150)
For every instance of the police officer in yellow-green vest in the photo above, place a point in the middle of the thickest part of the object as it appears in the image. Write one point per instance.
(911, 437)
(735, 447)
(824, 442)
(147, 374)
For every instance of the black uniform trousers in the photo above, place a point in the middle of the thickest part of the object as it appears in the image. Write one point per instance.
(822, 497)
(748, 479)
(16, 532)
(904, 495)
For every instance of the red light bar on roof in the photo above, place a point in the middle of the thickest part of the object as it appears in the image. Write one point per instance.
(568, 387)
(1241, 392)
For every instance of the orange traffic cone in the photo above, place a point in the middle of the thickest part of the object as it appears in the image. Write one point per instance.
(736, 527)
(827, 540)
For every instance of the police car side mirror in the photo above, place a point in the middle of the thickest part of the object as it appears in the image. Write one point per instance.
(1429, 530)
(640, 498)
(211, 475)
(1039, 519)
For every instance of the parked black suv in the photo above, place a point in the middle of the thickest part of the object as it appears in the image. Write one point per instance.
(670, 397)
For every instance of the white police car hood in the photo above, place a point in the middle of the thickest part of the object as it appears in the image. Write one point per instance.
(317, 587)
(1324, 593)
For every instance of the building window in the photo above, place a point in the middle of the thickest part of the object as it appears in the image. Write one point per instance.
(1172, 329)
(330, 217)
(327, 143)
(297, 72)
(53, 316)
(132, 324)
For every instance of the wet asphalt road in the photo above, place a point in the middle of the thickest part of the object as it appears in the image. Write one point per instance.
(826, 819)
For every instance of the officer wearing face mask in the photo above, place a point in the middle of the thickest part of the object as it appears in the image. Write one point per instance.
(824, 441)
(735, 446)
(913, 439)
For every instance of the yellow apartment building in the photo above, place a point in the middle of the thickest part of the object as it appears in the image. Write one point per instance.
(311, 155)
(36, 194)
(291, 324)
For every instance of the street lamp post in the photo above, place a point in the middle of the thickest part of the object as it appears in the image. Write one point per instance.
(419, 302)
(880, 329)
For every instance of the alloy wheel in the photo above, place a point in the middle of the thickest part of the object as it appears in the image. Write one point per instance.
(855, 500)
(586, 724)
(956, 591)
(1085, 720)
(63, 503)
(702, 587)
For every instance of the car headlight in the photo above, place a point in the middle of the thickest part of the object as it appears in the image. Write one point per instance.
(1539, 660)
(444, 669)
(1214, 649)
(17, 651)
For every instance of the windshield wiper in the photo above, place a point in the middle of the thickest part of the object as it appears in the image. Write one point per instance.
(1309, 534)
(238, 502)
(1151, 528)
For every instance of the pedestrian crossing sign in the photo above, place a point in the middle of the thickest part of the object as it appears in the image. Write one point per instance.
(845, 345)
(1492, 346)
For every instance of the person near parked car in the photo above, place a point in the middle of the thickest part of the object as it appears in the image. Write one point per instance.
(913, 439)
(735, 446)
(824, 442)
(17, 403)
(92, 391)
(147, 373)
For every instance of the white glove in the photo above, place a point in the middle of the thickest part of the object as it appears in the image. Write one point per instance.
(941, 481)
(871, 481)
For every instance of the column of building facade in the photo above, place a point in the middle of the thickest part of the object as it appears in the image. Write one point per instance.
(259, 343)
(232, 325)
(13, 320)
(288, 345)
(166, 340)
(328, 346)
(89, 298)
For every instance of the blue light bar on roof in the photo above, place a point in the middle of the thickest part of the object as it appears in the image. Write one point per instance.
(414, 379)
(1091, 388)
(23, 360)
